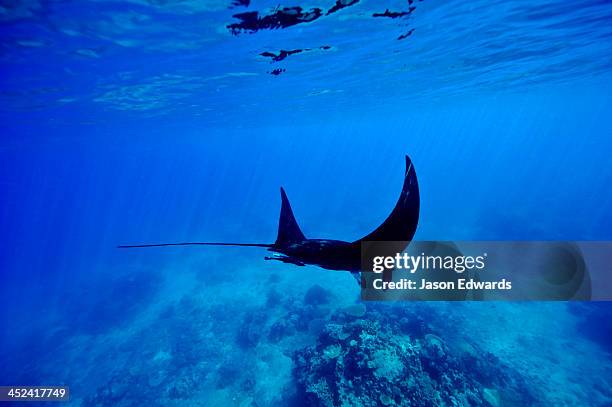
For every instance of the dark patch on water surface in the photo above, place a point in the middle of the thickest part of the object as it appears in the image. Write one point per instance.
(394, 14)
(240, 3)
(280, 18)
(277, 71)
(252, 21)
(282, 54)
(404, 36)
(340, 4)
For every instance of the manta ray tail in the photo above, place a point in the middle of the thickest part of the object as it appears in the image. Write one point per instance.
(288, 232)
(288, 229)
(131, 246)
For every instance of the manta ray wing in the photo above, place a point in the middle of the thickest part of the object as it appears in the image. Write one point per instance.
(401, 224)
(288, 229)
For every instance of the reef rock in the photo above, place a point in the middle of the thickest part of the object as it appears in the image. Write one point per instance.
(362, 363)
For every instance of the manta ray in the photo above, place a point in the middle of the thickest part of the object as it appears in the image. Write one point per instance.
(291, 246)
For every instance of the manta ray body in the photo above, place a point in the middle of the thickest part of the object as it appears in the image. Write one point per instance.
(291, 246)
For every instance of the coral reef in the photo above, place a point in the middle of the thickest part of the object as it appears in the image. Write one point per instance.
(314, 351)
(385, 360)
(317, 295)
(250, 331)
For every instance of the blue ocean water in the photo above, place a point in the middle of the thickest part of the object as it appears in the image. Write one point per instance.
(153, 121)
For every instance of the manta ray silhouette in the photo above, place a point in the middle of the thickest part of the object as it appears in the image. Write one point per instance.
(291, 246)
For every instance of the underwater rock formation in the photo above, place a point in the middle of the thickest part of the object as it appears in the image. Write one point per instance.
(317, 295)
(365, 362)
(594, 322)
(273, 298)
(164, 361)
(250, 331)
